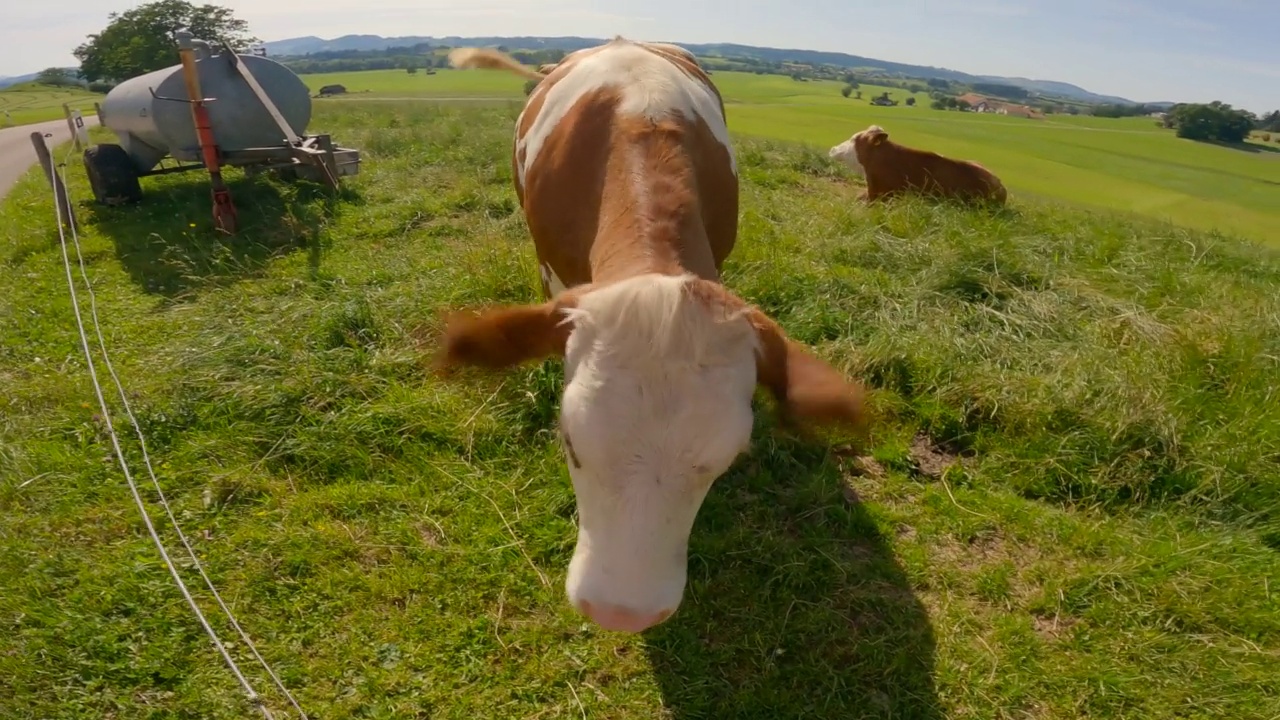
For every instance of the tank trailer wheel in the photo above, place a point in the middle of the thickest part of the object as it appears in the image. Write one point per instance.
(112, 175)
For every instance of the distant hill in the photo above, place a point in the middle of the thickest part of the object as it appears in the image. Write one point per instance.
(15, 79)
(11, 80)
(311, 44)
(1060, 89)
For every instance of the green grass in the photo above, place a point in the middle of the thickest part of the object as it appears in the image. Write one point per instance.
(444, 83)
(1106, 546)
(1123, 164)
(31, 103)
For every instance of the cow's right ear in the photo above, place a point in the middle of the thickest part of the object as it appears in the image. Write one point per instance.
(878, 135)
(510, 335)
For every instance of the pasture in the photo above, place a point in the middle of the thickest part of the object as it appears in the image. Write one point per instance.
(32, 103)
(1069, 507)
(1128, 165)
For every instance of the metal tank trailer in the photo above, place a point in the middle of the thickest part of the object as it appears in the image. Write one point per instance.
(215, 108)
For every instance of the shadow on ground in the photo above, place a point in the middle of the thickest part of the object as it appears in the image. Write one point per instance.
(168, 245)
(1248, 147)
(796, 606)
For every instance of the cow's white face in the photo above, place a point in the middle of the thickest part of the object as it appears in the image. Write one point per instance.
(660, 373)
(846, 153)
(647, 427)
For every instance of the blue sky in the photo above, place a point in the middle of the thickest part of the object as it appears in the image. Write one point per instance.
(1186, 50)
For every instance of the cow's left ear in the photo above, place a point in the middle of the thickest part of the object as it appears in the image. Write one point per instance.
(501, 337)
(805, 387)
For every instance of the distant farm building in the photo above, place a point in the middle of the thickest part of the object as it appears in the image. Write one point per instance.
(1023, 111)
(332, 90)
(982, 104)
(977, 103)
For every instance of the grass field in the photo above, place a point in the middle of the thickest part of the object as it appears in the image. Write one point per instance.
(1102, 543)
(398, 83)
(31, 103)
(1128, 165)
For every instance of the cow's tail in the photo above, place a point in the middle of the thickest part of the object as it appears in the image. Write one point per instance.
(489, 59)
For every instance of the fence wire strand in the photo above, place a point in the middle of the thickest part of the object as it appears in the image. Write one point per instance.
(253, 696)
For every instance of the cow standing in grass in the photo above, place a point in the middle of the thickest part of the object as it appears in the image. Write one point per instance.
(892, 169)
(624, 169)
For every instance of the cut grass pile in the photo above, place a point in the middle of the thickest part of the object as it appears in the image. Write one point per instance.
(1069, 507)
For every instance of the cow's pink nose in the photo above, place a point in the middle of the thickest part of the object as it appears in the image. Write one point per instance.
(620, 619)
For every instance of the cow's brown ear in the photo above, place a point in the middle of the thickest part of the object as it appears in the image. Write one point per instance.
(501, 337)
(878, 135)
(805, 387)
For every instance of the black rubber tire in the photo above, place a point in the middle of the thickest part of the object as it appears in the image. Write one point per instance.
(112, 175)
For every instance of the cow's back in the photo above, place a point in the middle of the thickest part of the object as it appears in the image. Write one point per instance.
(900, 168)
(621, 118)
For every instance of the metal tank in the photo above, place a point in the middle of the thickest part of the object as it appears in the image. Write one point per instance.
(216, 108)
(152, 116)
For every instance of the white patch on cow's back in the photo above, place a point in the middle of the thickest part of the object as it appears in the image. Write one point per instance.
(652, 87)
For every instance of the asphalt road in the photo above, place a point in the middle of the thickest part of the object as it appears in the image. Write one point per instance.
(16, 153)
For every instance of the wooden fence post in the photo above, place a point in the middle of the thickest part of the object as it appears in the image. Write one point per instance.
(55, 182)
(71, 126)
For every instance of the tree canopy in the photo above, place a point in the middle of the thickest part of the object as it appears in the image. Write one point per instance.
(56, 76)
(1116, 110)
(1214, 121)
(141, 40)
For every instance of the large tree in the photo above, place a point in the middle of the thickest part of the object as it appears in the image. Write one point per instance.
(141, 40)
(55, 76)
(1214, 121)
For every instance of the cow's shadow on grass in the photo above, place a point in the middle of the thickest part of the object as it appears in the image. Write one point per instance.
(796, 606)
(168, 244)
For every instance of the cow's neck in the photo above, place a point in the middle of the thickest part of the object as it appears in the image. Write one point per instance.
(650, 219)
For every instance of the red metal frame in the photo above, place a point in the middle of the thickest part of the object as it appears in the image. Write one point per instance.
(225, 217)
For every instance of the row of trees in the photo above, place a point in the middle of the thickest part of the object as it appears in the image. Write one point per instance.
(402, 60)
(1117, 110)
(881, 99)
(1269, 122)
(947, 102)
(1004, 92)
(411, 58)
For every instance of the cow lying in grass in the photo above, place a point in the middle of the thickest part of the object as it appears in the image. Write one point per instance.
(892, 169)
(624, 170)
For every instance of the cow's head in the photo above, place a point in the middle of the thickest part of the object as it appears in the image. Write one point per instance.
(660, 372)
(853, 152)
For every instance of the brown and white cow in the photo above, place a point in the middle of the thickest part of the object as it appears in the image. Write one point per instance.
(892, 169)
(627, 179)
